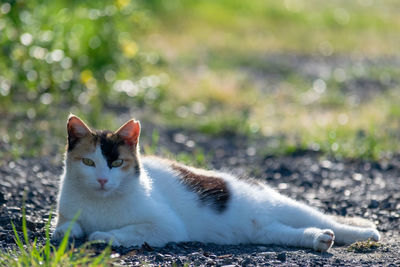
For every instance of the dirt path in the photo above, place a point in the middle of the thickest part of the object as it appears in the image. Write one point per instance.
(347, 188)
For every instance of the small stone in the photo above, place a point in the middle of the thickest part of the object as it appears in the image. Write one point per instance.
(281, 256)
(373, 204)
(177, 262)
(194, 255)
(197, 263)
(210, 262)
(274, 262)
(357, 176)
(247, 262)
(268, 255)
(2, 199)
(227, 261)
(159, 257)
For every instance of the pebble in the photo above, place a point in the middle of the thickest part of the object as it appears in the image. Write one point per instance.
(281, 256)
(247, 262)
(2, 199)
(159, 257)
(210, 262)
(268, 255)
(178, 262)
(227, 261)
(373, 204)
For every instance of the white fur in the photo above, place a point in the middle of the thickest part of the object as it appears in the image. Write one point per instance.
(156, 208)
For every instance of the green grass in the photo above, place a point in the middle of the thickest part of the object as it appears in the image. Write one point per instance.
(29, 253)
(219, 55)
(218, 67)
(364, 246)
(295, 26)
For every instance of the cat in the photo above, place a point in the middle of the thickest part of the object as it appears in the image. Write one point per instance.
(127, 199)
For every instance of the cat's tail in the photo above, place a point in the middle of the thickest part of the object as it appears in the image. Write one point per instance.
(354, 221)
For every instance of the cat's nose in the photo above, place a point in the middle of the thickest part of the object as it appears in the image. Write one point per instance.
(102, 181)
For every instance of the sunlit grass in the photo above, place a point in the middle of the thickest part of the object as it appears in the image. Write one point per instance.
(364, 130)
(29, 253)
(367, 246)
(290, 25)
(217, 67)
(218, 55)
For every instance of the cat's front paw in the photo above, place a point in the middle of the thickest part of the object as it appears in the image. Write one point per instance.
(324, 240)
(59, 233)
(104, 237)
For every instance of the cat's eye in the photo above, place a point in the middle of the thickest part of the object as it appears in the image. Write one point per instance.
(117, 163)
(88, 162)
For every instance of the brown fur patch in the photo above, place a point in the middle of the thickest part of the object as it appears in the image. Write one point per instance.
(82, 147)
(211, 190)
(130, 159)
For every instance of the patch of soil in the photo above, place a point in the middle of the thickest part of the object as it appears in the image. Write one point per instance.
(342, 187)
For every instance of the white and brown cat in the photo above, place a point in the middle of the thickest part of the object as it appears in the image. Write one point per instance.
(128, 199)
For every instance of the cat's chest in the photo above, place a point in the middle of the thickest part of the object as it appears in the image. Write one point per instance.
(109, 215)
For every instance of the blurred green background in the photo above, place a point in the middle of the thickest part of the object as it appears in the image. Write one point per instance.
(318, 75)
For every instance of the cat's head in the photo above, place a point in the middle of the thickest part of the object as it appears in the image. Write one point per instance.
(102, 162)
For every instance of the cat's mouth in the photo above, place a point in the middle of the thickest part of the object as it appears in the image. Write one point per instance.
(102, 192)
(102, 189)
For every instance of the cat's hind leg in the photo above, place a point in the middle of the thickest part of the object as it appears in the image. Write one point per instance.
(280, 234)
(346, 234)
(298, 215)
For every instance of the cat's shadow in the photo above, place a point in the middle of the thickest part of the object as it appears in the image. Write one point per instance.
(188, 248)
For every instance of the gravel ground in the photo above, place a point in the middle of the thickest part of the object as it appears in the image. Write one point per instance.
(348, 188)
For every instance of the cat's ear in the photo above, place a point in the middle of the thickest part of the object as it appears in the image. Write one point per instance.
(130, 132)
(76, 128)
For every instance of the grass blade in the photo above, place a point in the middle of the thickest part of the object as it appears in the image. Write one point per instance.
(24, 254)
(17, 239)
(64, 242)
(34, 254)
(105, 254)
(24, 228)
(47, 246)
